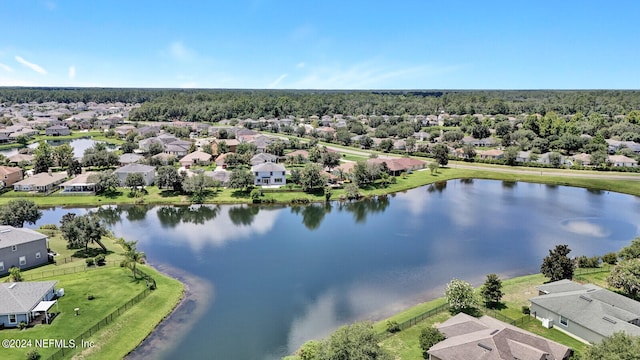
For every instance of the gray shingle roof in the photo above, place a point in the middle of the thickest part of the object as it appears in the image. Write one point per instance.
(602, 311)
(135, 168)
(10, 236)
(488, 338)
(268, 166)
(23, 296)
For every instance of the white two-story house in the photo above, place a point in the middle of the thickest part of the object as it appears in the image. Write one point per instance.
(269, 174)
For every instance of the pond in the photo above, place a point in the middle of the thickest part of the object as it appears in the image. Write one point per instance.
(78, 145)
(282, 275)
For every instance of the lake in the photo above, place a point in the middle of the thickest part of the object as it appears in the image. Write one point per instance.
(78, 145)
(279, 276)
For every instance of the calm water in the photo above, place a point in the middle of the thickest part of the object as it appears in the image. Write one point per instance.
(79, 146)
(283, 275)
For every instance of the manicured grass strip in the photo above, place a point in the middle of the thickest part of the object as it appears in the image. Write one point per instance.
(123, 335)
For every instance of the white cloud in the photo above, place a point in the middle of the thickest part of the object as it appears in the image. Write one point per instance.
(300, 65)
(35, 67)
(277, 81)
(6, 68)
(179, 51)
(72, 72)
(369, 75)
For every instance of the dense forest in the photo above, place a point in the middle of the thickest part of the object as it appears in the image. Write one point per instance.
(218, 104)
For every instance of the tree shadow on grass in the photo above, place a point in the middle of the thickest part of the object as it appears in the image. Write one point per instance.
(240, 194)
(112, 194)
(170, 193)
(90, 253)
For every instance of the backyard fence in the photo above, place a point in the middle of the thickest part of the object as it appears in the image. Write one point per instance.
(584, 271)
(515, 322)
(34, 275)
(416, 319)
(64, 352)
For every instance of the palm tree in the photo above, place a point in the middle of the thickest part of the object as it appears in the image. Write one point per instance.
(132, 256)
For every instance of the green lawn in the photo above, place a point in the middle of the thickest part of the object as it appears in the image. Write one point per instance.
(112, 286)
(405, 345)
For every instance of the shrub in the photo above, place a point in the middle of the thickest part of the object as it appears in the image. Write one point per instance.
(429, 336)
(90, 297)
(33, 355)
(90, 261)
(393, 326)
(610, 258)
(526, 310)
(49, 227)
(22, 325)
(99, 259)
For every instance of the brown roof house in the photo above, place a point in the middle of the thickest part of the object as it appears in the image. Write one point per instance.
(195, 158)
(9, 175)
(42, 182)
(493, 154)
(399, 165)
(486, 338)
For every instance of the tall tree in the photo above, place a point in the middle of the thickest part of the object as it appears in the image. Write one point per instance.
(197, 186)
(492, 290)
(241, 178)
(557, 265)
(62, 154)
(626, 275)
(169, 177)
(429, 336)
(358, 341)
(330, 159)
(83, 230)
(311, 177)
(631, 251)
(106, 181)
(460, 296)
(16, 212)
(441, 154)
(43, 157)
(619, 346)
(134, 181)
(132, 256)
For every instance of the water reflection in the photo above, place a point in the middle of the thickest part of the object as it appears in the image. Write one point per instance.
(312, 214)
(172, 216)
(438, 186)
(361, 209)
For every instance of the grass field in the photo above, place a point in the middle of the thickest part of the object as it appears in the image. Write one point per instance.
(112, 286)
(405, 344)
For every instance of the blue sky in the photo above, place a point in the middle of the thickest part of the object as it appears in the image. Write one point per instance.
(321, 44)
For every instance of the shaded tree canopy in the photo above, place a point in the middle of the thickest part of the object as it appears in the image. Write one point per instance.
(16, 212)
(557, 265)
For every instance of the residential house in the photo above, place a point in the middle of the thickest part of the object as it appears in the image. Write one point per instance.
(582, 159)
(493, 154)
(586, 311)
(21, 158)
(196, 158)
(124, 130)
(263, 158)
(129, 158)
(221, 175)
(145, 144)
(4, 138)
(148, 173)
(22, 248)
(397, 166)
(179, 148)
(615, 145)
(468, 337)
(523, 156)
(148, 131)
(9, 175)
(232, 145)
(57, 130)
(622, 161)
(164, 158)
(79, 185)
(42, 182)
(269, 174)
(468, 140)
(220, 160)
(22, 301)
(303, 153)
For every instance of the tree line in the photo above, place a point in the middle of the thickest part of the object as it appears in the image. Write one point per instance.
(213, 105)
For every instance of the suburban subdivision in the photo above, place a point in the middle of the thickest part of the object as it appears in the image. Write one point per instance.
(96, 184)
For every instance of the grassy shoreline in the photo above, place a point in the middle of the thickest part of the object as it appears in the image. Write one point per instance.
(156, 196)
(112, 286)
